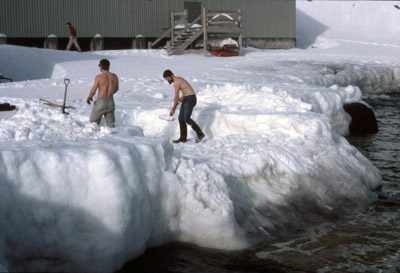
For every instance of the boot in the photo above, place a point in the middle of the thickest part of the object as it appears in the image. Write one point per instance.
(198, 131)
(183, 129)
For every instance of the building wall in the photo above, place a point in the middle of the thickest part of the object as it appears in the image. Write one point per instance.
(262, 18)
(128, 18)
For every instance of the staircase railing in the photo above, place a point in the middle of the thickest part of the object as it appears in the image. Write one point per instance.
(174, 24)
(180, 35)
(214, 22)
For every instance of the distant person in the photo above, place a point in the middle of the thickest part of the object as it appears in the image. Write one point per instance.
(108, 85)
(188, 100)
(72, 38)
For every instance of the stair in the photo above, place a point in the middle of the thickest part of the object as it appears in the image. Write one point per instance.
(183, 40)
(216, 22)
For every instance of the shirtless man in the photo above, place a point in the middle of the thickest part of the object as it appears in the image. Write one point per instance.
(188, 100)
(107, 83)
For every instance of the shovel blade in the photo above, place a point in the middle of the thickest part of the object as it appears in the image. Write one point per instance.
(166, 117)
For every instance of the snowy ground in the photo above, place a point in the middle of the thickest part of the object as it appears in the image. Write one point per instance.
(76, 196)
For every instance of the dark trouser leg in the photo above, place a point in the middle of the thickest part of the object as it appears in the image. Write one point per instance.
(198, 131)
(188, 104)
(182, 126)
(183, 129)
(185, 112)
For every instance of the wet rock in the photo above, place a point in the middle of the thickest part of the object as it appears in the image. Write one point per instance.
(363, 120)
(6, 107)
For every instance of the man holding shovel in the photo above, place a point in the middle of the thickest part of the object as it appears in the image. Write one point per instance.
(108, 85)
(188, 100)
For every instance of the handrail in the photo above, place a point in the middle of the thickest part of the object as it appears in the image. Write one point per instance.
(182, 32)
(167, 31)
(211, 22)
(187, 42)
(5, 78)
(179, 13)
(186, 28)
(214, 12)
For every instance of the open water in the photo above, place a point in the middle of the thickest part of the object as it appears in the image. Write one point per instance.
(367, 242)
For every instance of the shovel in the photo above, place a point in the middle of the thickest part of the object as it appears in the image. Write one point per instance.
(66, 82)
(166, 117)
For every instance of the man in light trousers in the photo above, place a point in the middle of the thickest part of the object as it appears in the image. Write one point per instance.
(72, 38)
(108, 85)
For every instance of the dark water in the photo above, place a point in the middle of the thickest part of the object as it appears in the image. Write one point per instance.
(367, 242)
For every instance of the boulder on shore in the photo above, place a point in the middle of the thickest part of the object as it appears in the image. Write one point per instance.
(363, 120)
(7, 107)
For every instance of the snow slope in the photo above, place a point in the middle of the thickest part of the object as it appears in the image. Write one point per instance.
(75, 196)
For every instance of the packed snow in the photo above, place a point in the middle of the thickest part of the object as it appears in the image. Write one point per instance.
(75, 196)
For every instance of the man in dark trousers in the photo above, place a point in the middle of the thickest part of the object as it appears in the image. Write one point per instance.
(72, 38)
(188, 100)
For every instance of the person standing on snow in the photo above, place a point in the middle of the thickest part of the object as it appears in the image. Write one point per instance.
(108, 85)
(188, 100)
(72, 38)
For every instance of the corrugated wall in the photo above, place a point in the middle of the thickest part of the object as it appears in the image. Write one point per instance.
(128, 18)
(262, 18)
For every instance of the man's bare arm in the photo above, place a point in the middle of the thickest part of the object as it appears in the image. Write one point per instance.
(116, 86)
(93, 90)
(176, 98)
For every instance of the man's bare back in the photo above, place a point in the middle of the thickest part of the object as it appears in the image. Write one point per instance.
(180, 84)
(107, 83)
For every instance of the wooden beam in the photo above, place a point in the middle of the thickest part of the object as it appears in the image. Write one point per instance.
(205, 35)
(240, 42)
(214, 29)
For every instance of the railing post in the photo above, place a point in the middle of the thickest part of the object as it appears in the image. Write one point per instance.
(185, 14)
(168, 48)
(172, 25)
(204, 26)
(240, 42)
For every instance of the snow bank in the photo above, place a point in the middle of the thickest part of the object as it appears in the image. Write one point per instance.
(93, 198)
(70, 203)
(362, 22)
(373, 80)
(37, 63)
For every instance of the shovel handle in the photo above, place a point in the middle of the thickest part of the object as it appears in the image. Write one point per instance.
(66, 81)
